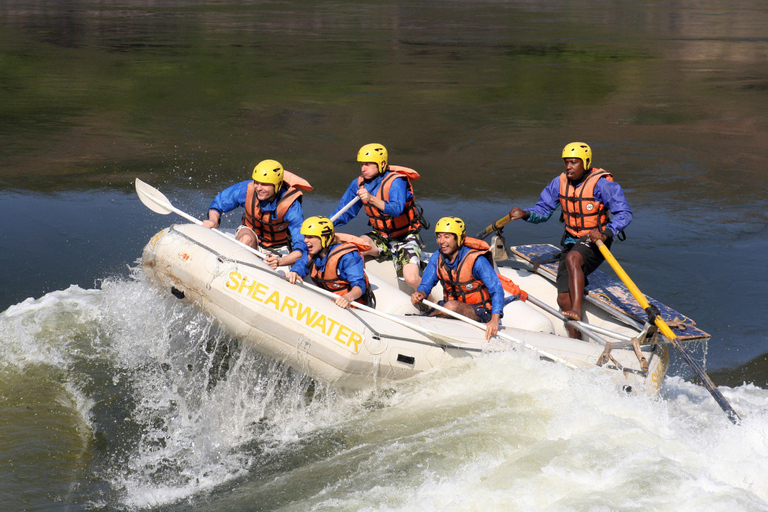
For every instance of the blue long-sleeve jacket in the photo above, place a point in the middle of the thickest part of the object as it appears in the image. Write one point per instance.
(398, 195)
(607, 192)
(235, 196)
(482, 269)
(350, 267)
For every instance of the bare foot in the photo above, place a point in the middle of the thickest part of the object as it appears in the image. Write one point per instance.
(571, 315)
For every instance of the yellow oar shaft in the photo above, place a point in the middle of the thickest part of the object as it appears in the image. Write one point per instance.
(493, 227)
(634, 290)
(665, 329)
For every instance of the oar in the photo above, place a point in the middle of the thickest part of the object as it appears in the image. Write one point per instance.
(157, 202)
(653, 314)
(496, 226)
(346, 207)
(499, 334)
(581, 326)
(589, 330)
(440, 339)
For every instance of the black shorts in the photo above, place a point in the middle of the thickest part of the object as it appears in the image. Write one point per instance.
(592, 259)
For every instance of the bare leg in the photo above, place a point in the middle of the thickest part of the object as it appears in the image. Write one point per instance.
(373, 252)
(459, 307)
(411, 275)
(574, 261)
(248, 237)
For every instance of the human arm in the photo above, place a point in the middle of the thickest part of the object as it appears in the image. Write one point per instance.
(398, 195)
(294, 217)
(226, 201)
(213, 220)
(299, 269)
(293, 277)
(612, 196)
(548, 202)
(492, 327)
(483, 270)
(351, 269)
(353, 210)
(282, 261)
(343, 301)
(428, 280)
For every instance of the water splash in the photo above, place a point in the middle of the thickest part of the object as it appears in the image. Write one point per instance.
(162, 410)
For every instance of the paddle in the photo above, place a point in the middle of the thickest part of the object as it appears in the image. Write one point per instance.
(500, 334)
(653, 314)
(512, 288)
(158, 203)
(496, 226)
(346, 207)
(581, 326)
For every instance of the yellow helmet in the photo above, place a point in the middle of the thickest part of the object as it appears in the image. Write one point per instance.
(579, 150)
(452, 225)
(319, 226)
(269, 171)
(374, 153)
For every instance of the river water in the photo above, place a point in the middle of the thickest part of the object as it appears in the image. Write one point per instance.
(117, 397)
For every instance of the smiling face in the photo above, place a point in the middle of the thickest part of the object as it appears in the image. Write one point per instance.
(369, 170)
(264, 191)
(447, 244)
(314, 244)
(574, 168)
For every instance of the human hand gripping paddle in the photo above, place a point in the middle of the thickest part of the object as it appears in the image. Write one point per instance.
(667, 331)
(496, 226)
(158, 203)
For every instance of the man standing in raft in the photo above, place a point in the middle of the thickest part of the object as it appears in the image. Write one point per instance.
(586, 195)
(333, 262)
(464, 267)
(386, 193)
(273, 212)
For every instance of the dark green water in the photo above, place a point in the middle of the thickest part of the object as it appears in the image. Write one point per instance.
(479, 97)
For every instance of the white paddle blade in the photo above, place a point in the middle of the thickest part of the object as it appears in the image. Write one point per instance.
(153, 198)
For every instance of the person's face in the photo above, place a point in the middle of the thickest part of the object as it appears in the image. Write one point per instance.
(447, 244)
(314, 244)
(264, 191)
(574, 168)
(369, 170)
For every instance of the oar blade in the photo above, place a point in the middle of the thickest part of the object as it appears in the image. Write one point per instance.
(153, 198)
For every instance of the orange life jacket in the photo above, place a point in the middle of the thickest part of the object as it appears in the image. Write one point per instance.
(271, 227)
(329, 278)
(460, 284)
(407, 222)
(581, 212)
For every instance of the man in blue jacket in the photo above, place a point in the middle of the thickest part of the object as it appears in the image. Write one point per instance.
(385, 193)
(273, 212)
(464, 268)
(586, 195)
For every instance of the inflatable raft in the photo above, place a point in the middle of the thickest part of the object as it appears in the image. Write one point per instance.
(354, 348)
